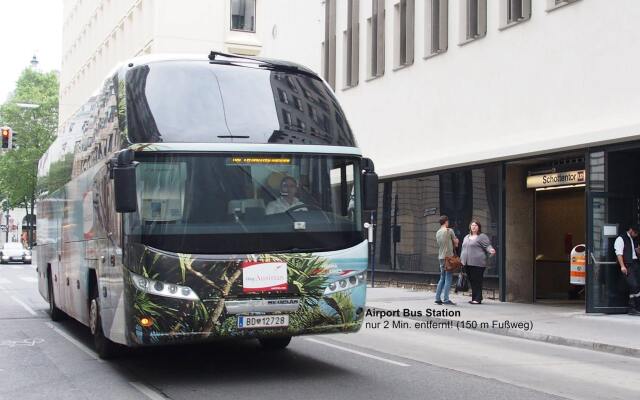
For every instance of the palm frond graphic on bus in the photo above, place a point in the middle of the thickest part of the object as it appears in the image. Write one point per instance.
(216, 281)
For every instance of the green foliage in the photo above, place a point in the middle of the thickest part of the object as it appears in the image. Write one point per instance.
(307, 273)
(34, 129)
(342, 304)
(308, 317)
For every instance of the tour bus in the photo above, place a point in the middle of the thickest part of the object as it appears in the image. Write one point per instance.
(194, 198)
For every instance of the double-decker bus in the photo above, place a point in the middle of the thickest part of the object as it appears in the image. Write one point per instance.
(195, 198)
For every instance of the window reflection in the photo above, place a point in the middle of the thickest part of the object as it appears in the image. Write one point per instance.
(415, 204)
(243, 15)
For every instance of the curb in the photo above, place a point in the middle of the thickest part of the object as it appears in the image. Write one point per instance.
(538, 337)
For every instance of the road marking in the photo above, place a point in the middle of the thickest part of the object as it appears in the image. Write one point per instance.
(5, 281)
(147, 391)
(74, 341)
(358, 352)
(29, 279)
(24, 305)
(23, 342)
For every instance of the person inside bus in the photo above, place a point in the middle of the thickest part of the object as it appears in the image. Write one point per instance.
(287, 199)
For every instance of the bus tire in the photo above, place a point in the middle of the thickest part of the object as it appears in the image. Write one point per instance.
(275, 343)
(55, 313)
(105, 348)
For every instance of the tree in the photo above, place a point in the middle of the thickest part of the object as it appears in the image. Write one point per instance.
(34, 128)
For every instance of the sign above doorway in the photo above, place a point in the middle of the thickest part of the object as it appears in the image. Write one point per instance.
(557, 179)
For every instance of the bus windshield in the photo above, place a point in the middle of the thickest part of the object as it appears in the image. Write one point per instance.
(246, 203)
(197, 102)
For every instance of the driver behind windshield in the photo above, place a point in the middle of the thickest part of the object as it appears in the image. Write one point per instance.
(287, 199)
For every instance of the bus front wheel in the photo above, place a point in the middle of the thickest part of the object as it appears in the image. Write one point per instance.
(275, 343)
(105, 348)
(55, 313)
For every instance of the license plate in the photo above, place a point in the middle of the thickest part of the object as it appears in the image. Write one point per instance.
(263, 321)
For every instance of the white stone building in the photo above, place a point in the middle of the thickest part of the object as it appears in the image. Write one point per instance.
(98, 34)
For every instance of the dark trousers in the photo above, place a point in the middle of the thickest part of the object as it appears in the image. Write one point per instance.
(475, 281)
(633, 280)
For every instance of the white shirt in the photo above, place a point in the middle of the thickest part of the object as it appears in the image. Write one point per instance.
(281, 205)
(618, 245)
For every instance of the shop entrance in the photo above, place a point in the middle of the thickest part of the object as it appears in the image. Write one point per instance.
(560, 227)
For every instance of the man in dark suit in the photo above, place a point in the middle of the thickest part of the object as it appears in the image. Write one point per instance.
(626, 247)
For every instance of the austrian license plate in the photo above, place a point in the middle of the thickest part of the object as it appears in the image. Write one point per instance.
(263, 321)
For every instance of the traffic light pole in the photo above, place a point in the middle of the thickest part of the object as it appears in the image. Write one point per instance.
(7, 225)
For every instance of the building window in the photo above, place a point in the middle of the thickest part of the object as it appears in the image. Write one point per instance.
(352, 44)
(513, 12)
(404, 23)
(243, 15)
(329, 44)
(555, 4)
(375, 36)
(473, 20)
(436, 30)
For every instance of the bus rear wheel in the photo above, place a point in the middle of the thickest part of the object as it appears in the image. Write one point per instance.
(55, 313)
(275, 343)
(105, 348)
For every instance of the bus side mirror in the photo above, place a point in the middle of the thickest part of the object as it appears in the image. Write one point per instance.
(370, 191)
(123, 169)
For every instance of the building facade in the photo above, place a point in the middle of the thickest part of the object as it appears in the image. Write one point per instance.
(518, 113)
(99, 34)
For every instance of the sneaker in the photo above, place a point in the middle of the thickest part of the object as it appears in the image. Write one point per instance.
(438, 302)
(449, 303)
(474, 302)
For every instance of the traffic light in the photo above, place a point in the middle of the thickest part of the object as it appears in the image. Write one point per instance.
(6, 137)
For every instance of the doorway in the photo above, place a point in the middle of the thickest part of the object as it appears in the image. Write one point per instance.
(560, 229)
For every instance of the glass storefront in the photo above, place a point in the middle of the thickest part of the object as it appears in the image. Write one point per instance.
(613, 203)
(409, 209)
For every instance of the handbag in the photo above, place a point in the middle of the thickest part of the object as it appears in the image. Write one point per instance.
(462, 285)
(452, 263)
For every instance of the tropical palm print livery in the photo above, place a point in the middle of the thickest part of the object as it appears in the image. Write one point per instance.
(217, 279)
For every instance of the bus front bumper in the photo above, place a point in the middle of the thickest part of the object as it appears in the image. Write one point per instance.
(157, 320)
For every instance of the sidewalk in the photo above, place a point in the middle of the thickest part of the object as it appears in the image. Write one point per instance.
(566, 325)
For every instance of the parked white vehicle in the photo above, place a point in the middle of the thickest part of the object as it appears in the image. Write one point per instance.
(15, 252)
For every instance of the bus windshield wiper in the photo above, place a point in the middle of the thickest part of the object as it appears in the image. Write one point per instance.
(300, 250)
(265, 63)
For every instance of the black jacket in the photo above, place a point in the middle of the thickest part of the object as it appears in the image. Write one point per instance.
(629, 247)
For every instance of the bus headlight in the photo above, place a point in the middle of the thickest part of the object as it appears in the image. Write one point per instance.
(346, 283)
(158, 288)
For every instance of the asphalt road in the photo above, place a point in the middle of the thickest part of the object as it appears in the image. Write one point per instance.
(44, 360)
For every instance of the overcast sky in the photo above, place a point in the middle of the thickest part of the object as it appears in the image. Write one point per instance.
(28, 27)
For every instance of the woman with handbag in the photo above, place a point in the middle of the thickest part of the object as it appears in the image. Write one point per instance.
(476, 248)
